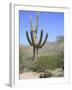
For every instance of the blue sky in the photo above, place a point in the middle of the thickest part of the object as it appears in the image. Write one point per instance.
(51, 23)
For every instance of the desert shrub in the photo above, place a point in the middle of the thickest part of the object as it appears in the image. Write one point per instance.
(60, 59)
(21, 61)
(49, 62)
(45, 62)
(25, 63)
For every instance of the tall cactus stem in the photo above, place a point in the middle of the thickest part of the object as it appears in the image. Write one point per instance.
(40, 40)
(32, 38)
(44, 41)
(37, 23)
(37, 51)
(33, 53)
(27, 35)
(31, 23)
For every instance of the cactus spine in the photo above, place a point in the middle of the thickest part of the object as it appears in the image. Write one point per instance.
(33, 41)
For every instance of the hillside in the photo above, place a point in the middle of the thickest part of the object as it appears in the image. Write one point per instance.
(49, 48)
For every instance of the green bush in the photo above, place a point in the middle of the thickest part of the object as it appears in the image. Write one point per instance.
(60, 60)
(45, 62)
(49, 62)
(21, 61)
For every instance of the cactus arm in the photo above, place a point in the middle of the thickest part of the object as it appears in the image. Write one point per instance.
(40, 40)
(31, 23)
(27, 35)
(44, 41)
(32, 38)
(36, 24)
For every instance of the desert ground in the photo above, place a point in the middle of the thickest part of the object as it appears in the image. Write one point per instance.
(29, 75)
(49, 73)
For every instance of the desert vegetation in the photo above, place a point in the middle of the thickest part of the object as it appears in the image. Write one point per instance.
(50, 60)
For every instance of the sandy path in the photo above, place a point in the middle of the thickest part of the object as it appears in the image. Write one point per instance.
(29, 75)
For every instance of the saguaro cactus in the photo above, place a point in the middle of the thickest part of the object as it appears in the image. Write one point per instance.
(33, 41)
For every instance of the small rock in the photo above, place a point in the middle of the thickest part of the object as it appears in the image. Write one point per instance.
(45, 74)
